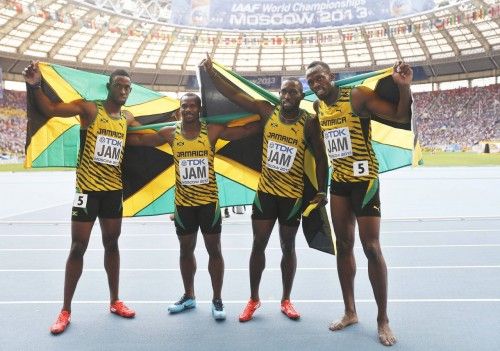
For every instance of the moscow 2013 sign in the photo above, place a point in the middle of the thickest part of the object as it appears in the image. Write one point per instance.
(285, 15)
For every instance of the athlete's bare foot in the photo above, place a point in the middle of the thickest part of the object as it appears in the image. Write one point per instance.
(345, 321)
(385, 335)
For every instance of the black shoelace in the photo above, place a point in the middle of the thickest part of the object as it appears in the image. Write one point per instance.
(218, 305)
(183, 299)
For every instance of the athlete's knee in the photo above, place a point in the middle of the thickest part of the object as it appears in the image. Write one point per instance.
(288, 247)
(187, 248)
(77, 250)
(259, 244)
(214, 250)
(372, 250)
(111, 246)
(345, 245)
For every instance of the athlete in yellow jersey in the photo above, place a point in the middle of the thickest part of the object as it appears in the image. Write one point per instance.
(345, 120)
(287, 129)
(98, 179)
(196, 198)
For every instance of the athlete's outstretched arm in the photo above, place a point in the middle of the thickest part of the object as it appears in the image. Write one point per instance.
(260, 107)
(220, 131)
(86, 110)
(314, 138)
(366, 101)
(163, 136)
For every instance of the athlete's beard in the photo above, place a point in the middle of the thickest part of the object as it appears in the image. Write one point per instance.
(292, 110)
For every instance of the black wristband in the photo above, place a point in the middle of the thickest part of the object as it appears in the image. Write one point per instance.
(35, 86)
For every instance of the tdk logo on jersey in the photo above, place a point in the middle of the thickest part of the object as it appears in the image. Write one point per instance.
(195, 162)
(281, 148)
(335, 133)
(274, 125)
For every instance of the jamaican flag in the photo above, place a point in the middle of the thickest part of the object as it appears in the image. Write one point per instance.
(395, 144)
(149, 173)
(243, 158)
(55, 142)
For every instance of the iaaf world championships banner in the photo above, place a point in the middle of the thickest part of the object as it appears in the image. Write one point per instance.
(281, 15)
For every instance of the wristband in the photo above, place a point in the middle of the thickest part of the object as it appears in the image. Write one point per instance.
(321, 193)
(35, 86)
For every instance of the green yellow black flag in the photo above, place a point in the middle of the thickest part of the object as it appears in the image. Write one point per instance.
(55, 142)
(149, 173)
(246, 155)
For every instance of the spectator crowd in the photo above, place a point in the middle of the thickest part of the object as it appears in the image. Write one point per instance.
(461, 117)
(13, 123)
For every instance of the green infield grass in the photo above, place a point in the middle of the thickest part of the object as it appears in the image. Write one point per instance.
(18, 167)
(444, 159)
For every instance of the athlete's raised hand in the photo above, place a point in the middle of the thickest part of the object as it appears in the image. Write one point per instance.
(32, 74)
(403, 74)
(207, 64)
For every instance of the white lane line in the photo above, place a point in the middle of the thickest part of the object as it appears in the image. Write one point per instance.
(247, 220)
(171, 235)
(439, 246)
(246, 269)
(147, 302)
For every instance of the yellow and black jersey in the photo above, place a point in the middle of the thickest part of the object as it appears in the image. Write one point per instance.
(195, 183)
(101, 153)
(347, 140)
(283, 156)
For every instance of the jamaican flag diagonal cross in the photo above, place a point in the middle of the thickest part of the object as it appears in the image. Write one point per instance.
(395, 145)
(55, 142)
(240, 161)
(149, 173)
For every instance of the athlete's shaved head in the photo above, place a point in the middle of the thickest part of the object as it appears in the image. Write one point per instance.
(295, 80)
(192, 95)
(321, 64)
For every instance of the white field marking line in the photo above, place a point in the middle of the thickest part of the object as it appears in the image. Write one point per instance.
(147, 302)
(171, 235)
(3, 220)
(439, 246)
(246, 269)
(35, 210)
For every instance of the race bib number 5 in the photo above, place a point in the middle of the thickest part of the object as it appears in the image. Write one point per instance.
(80, 200)
(108, 150)
(193, 171)
(338, 142)
(280, 157)
(360, 168)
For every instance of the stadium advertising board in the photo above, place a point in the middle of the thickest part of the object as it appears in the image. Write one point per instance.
(269, 82)
(279, 14)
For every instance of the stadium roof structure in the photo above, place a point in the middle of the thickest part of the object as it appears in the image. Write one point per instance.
(461, 39)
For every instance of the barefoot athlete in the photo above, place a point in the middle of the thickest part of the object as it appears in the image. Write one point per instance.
(344, 115)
